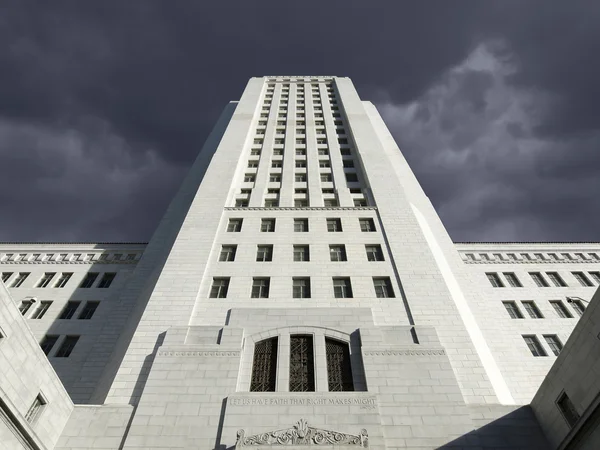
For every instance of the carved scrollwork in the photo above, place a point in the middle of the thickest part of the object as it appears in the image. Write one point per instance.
(302, 434)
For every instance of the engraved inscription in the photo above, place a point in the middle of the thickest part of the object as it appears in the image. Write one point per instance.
(364, 403)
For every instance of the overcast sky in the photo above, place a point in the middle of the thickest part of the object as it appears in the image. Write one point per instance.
(105, 104)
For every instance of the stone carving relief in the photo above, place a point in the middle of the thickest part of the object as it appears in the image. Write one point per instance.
(301, 434)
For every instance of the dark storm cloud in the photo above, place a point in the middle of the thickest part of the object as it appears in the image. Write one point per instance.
(104, 105)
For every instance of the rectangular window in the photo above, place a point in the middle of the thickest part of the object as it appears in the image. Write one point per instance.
(348, 163)
(512, 310)
(241, 203)
(276, 164)
(323, 152)
(301, 164)
(89, 280)
(40, 311)
(577, 305)
(342, 288)
(302, 364)
(374, 252)
(554, 343)
(512, 279)
(278, 152)
(330, 202)
(24, 306)
(107, 280)
(6, 276)
(360, 202)
(88, 310)
(274, 178)
(383, 287)
(567, 409)
(300, 152)
(65, 350)
(264, 253)
(234, 225)
(532, 309)
(324, 164)
(249, 178)
(301, 253)
(252, 164)
(69, 310)
(326, 178)
(227, 253)
(300, 203)
(20, 279)
(36, 408)
(300, 177)
(367, 225)
(494, 279)
(337, 253)
(260, 288)
(48, 343)
(595, 276)
(534, 345)
(334, 225)
(556, 279)
(582, 278)
(301, 287)
(45, 280)
(271, 203)
(561, 309)
(267, 225)
(345, 152)
(300, 225)
(538, 279)
(219, 288)
(351, 177)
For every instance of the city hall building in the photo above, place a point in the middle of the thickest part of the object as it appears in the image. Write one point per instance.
(300, 291)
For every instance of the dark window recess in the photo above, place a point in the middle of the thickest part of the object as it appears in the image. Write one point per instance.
(264, 366)
(302, 364)
(89, 280)
(339, 370)
(69, 310)
(567, 409)
(88, 310)
(107, 280)
(67, 347)
(47, 343)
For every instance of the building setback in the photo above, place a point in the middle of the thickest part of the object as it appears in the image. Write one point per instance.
(299, 291)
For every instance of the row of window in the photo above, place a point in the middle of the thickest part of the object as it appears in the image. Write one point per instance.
(540, 280)
(301, 225)
(61, 280)
(301, 365)
(548, 257)
(300, 202)
(64, 350)
(337, 252)
(342, 287)
(67, 312)
(302, 152)
(299, 114)
(299, 164)
(533, 311)
(65, 257)
(536, 348)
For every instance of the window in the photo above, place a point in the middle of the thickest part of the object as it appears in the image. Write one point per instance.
(334, 225)
(556, 279)
(567, 409)
(532, 309)
(67, 347)
(131, 257)
(249, 178)
(234, 225)
(302, 364)
(48, 343)
(271, 203)
(539, 280)
(512, 279)
(107, 280)
(300, 152)
(227, 253)
(300, 203)
(512, 310)
(252, 165)
(264, 366)
(20, 279)
(300, 177)
(241, 203)
(326, 178)
(264, 253)
(348, 163)
(595, 276)
(260, 287)
(267, 225)
(383, 287)
(89, 280)
(301, 253)
(278, 152)
(374, 252)
(561, 309)
(351, 178)
(328, 191)
(276, 164)
(69, 310)
(40, 311)
(582, 278)
(360, 202)
(534, 345)
(328, 202)
(300, 225)
(342, 288)
(577, 305)
(366, 225)
(274, 178)
(324, 164)
(36, 408)
(301, 287)
(339, 370)
(6, 276)
(345, 152)
(88, 310)
(300, 164)
(494, 279)
(219, 288)
(323, 152)
(45, 280)
(337, 253)
(24, 306)
(554, 343)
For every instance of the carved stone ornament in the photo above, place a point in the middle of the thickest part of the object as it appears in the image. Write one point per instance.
(301, 434)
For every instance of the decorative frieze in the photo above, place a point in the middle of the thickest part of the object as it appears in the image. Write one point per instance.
(196, 353)
(407, 352)
(302, 208)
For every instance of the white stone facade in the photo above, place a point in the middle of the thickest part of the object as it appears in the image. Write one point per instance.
(312, 173)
